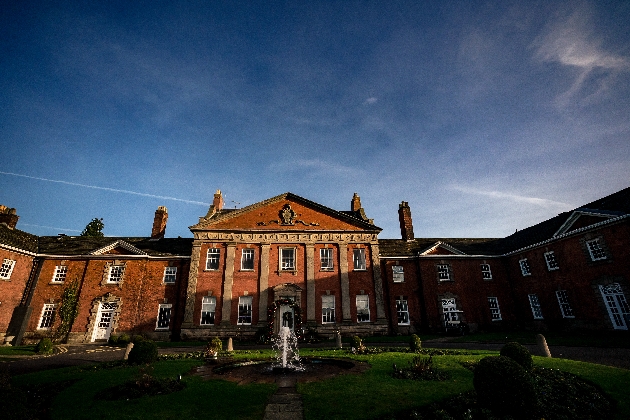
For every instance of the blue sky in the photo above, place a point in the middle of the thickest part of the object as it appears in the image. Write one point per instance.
(485, 116)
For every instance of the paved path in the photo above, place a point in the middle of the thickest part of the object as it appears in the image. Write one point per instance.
(286, 403)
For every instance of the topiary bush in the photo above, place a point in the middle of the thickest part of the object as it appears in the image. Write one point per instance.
(519, 354)
(504, 387)
(45, 346)
(145, 351)
(124, 339)
(415, 344)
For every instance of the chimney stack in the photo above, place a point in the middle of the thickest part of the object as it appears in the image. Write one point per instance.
(217, 203)
(406, 225)
(159, 223)
(8, 216)
(355, 204)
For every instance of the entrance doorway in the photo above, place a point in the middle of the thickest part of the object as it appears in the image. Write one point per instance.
(103, 323)
(286, 316)
(617, 305)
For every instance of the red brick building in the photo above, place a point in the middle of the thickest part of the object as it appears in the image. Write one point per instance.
(290, 261)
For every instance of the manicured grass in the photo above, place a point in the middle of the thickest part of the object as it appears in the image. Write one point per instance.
(199, 400)
(591, 339)
(169, 344)
(17, 350)
(369, 395)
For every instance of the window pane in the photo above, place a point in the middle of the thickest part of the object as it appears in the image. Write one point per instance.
(359, 259)
(245, 310)
(212, 260)
(328, 309)
(398, 273)
(287, 259)
(208, 307)
(164, 316)
(247, 259)
(170, 274)
(326, 258)
(363, 308)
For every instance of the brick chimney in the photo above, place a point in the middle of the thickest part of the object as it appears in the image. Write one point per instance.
(406, 225)
(159, 223)
(217, 203)
(355, 204)
(8, 216)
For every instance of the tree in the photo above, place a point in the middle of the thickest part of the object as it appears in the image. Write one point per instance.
(94, 229)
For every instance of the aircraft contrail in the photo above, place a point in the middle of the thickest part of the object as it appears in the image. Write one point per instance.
(107, 189)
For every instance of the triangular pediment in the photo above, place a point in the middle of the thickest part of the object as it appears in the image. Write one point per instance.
(118, 248)
(441, 248)
(584, 217)
(284, 212)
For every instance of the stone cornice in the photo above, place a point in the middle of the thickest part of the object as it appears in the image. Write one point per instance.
(287, 237)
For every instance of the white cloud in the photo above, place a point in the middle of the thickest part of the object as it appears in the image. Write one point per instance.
(372, 100)
(570, 41)
(498, 195)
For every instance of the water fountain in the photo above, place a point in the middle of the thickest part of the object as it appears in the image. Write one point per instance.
(287, 354)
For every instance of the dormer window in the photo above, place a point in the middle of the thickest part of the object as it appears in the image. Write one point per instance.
(595, 250)
(115, 274)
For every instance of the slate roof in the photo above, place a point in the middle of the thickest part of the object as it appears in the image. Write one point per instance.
(16, 238)
(469, 246)
(614, 204)
(78, 245)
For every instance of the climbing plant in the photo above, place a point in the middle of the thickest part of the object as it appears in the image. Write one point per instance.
(68, 310)
(297, 317)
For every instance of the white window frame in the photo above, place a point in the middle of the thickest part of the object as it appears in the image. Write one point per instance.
(565, 306)
(326, 259)
(162, 308)
(616, 305)
(47, 317)
(526, 270)
(115, 272)
(60, 274)
(398, 274)
(6, 269)
(495, 310)
(402, 311)
(328, 309)
(595, 250)
(443, 272)
(363, 308)
(208, 306)
(287, 263)
(358, 259)
(247, 259)
(534, 303)
(213, 256)
(450, 313)
(245, 310)
(170, 275)
(486, 272)
(550, 260)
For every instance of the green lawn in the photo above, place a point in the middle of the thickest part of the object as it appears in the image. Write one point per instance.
(17, 350)
(592, 339)
(369, 395)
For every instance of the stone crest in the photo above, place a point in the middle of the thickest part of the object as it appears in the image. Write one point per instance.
(287, 215)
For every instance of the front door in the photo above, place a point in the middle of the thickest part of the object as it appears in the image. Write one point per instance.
(103, 326)
(617, 305)
(286, 316)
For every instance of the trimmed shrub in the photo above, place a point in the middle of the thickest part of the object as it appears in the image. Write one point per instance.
(113, 340)
(504, 387)
(137, 338)
(145, 351)
(45, 346)
(124, 339)
(415, 344)
(519, 354)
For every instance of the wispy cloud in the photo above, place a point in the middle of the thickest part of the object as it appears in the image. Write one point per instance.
(96, 187)
(51, 227)
(499, 195)
(570, 41)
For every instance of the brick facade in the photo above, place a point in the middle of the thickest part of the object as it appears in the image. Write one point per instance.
(324, 266)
